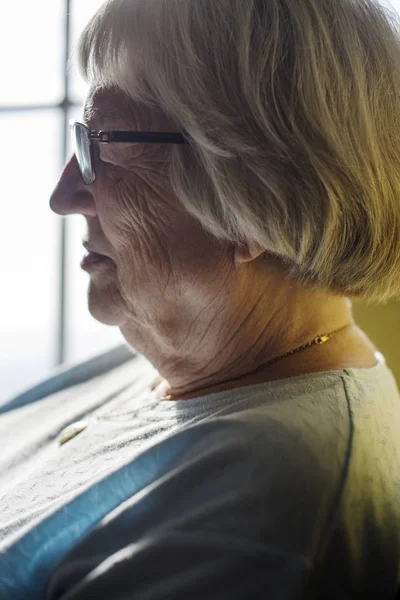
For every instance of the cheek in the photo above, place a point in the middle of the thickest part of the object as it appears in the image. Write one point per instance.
(135, 197)
(136, 220)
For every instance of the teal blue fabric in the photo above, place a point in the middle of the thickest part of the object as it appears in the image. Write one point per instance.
(66, 377)
(26, 566)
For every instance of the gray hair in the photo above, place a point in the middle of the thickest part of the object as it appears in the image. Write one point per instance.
(293, 107)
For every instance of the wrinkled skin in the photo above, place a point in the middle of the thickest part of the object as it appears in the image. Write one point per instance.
(201, 311)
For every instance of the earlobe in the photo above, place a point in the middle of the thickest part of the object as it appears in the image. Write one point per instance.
(247, 252)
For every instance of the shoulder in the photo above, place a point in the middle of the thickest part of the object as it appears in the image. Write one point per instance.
(277, 464)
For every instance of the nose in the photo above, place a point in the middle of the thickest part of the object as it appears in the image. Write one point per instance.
(71, 196)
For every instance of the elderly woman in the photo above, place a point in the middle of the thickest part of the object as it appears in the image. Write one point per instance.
(237, 167)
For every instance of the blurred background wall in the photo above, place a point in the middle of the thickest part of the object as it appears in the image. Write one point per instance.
(382, 326)
(44, 320)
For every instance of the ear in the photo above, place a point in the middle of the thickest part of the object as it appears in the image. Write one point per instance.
(246, 253)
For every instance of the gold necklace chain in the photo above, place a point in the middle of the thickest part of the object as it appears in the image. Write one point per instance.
(75, 428)
(320, 339)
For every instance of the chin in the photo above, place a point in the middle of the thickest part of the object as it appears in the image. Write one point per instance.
(106, 305)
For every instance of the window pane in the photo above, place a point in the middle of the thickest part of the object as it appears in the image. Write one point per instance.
(81, 13)
(85, 336)
(31, 51)
(392, 4)
(28, 247)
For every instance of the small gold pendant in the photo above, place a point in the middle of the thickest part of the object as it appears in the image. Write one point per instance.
(71, 431)
(320, 339)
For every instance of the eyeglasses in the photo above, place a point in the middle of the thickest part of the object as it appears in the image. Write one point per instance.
(82, 138)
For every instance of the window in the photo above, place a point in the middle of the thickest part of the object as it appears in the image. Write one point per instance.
(40, 327)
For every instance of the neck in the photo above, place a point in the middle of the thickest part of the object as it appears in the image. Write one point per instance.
(237, 334)
(289, 366)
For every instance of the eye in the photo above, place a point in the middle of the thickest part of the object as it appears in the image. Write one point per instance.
(111, 173)
(109, 154)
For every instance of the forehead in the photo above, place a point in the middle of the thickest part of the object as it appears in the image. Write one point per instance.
(107, 106)
(112, 109)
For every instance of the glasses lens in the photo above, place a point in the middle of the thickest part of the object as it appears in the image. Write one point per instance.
(82, 151)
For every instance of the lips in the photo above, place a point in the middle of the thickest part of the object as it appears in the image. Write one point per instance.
(95, 251)
(93, 257)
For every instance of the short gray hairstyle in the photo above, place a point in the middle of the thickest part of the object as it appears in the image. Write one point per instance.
(293, 107)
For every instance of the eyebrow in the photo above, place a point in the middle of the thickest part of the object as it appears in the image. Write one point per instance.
(92, 115)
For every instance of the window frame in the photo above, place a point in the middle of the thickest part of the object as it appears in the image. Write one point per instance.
(63, 107)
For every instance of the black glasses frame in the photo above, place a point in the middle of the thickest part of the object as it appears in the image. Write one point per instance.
(107, 137)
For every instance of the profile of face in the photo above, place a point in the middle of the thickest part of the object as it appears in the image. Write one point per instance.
(162, 263)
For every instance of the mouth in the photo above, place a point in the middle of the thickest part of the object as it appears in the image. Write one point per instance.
(93, 260)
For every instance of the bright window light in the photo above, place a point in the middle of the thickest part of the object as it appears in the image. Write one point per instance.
(32, 66)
